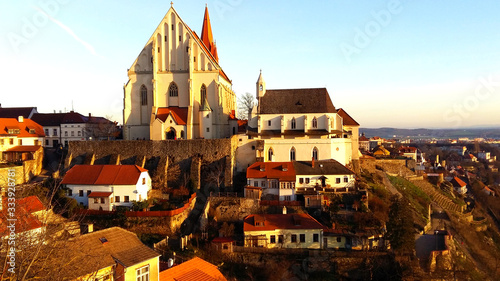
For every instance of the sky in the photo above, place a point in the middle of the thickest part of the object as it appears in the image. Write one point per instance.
(391, 63)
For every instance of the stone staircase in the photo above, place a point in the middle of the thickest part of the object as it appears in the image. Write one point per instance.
(440, 199)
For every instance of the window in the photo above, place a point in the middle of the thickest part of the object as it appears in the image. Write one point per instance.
(65, 133)
(14, 131)
(142, 273)
(263, 184)
(20, 142)
(292, 154)
(1, 142)
(294, 123)
(144, 95)
(337, 180)
(102, 200)
(46, 132)
(256, 183)
(208, 130)
(80, 193)
(346, 179)
(272, 239)
(294, 238)
(280, 238)
(117, 199)
(32, 131)
(288, 198)
(301, 180)
(315, 237)
(270, 154)
(96, 200)
(203, 93)
(79, 133)
(11, 141)
(88, 192)
(143, 181)
(54, 132)
(339, 239)
(269, 123)
(315, 123)
(307, 180)
(70, 192)
(72, 133)
(126, 199)
(172, 90)
(315, 154)
(302, 238)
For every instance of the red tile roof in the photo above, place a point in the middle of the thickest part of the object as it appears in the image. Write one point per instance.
(24, 148)
(24, 128)
(222, 240)
(24, 221)
(458, 182)
(407, 149)
(281, 221)
(94, 194)
(363, 138)
(348, 120)
(272, 170)
(179, 114)
(31, 204)
(103, 174)
(194, 269)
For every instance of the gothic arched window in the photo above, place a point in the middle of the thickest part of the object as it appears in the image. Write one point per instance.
(172, 90)
(294, 123)
(315, 153)
(292, 154)
(144, 95)
(315, 123)
(270, 154)
(203, 93)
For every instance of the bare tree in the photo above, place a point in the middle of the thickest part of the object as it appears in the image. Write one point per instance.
(246, 103)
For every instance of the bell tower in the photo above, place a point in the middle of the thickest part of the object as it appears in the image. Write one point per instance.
(260, 89)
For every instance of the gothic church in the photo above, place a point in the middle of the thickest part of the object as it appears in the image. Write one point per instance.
(176, 87)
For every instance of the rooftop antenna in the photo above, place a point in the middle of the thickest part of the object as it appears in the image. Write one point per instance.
(72, 108)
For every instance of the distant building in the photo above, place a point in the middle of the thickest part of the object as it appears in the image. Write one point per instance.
(459, 185)
(364, 143)
(381, 151)
(15, 112)
(105, 187)
(20, 139)
(283, 231)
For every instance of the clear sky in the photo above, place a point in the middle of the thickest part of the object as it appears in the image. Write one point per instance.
(389, 63)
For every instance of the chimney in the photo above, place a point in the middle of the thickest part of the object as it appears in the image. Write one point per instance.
(284, 210)
(20, 119)
(90, 115)
(312, 162)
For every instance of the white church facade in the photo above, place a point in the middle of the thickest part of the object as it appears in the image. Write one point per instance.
(176, 87)
(301, 125)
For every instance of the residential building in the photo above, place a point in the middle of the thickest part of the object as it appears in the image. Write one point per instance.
(112, 254)
(28, 227)
(195, 269)
(301, 124)
(15, 112)
(271, 181)
(381, 151)
(105, 187)
(176, 87)
(361, 239)
(283, 231)
(20, 139)
(364, 143)
(408, 152)
(459, 185)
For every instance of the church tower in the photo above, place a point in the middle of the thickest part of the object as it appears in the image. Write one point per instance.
(261, 89)
(205, 114)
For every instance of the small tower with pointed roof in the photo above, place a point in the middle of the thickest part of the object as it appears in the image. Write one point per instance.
(205, 115)
(260, 88)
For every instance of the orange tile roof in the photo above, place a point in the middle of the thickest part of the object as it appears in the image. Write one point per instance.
(179, 114)
(24, 128)
(31, 204)
(103, 174)
(24, 148)
(94, 194)
(363, 138)
(458, 182)
(407, 149)
(281, 221)
(348, 120)
(195, 269)
(272, 170)
(25, 221)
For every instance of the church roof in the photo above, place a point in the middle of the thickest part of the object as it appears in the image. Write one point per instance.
(313, 100)
(207, 37)
(348, 120)
(178, 113)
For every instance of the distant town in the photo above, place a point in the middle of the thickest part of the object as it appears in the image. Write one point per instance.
(279, 184)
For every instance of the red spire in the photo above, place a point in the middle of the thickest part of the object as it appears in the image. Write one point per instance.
(206, 35)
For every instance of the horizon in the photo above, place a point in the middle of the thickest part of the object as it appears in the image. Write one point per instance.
(443, 56)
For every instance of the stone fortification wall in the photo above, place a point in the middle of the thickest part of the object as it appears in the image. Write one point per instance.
(156, 156)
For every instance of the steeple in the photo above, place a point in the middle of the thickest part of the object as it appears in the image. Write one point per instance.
(207, 37)
(261, 86)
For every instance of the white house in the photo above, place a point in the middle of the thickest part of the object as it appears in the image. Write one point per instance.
(105, 187)
(323, 176)
(271, 181)
(283, 231)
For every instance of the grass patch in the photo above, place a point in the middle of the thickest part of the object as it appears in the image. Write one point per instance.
(419, 199)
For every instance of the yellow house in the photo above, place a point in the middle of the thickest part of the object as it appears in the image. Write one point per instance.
(113, 254)
(381, 151)
(283, 231)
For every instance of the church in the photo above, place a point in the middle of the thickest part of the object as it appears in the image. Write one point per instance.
(301, 125)
(176, 87)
